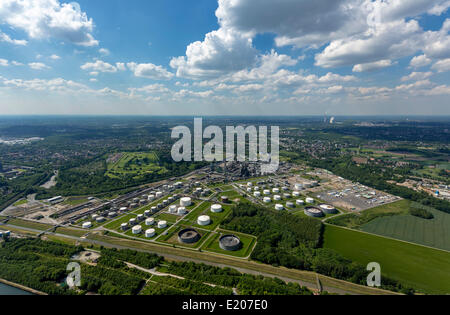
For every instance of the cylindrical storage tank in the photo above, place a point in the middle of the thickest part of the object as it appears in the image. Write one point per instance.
(159, 194)
(150, 221)
(185, 201)
(257, 194)
(249, 184)
(276, 190)
(124, 226)
(204, 220)
(230, 243)
(309, 200)
(279, 207)
(296, 194)
(173, 209)
(140, 217)
(147, 213)
(300, 202)
(100, 219)
(151, 197)
(289, 204)
(328, 209)
(286, 196)
(298, 186)
(285, 188)
(266, 192)
(256, 188)
(132, 221)
(188, 236)
(87, 225)
(136, 229)
(162, 224)
(95, 216)
(123, 209)
(112, 214)
(277, 197)
(249, 190)
(216, 208)
(267, 200)
(182, 210)
(313, 212)
(154, 209)
(224, 199)
(150, 233)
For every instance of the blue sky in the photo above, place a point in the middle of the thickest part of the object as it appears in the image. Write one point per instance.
(226, 57)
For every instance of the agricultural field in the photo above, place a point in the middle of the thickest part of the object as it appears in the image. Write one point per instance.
(434, 232)
(426, 269)
(133, 164)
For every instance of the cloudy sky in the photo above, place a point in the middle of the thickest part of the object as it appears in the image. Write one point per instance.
(225, 57)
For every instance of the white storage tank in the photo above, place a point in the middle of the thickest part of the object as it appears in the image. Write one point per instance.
(136, 229)
(150, 233)
(124, 226)
(249, 184)
(279, 207)
(123, 209)
(158, 194)
(112, 214)
(298, 186)
(94, 216)
(162, 224)
(256, 188)
(87, 225)
(300, 202)
(266, 192)
(296, 194)
(150, 221)
(267, 200)
(249, 190)
(287, 196)
(182, 210)
(132, 221)
(151, 197)
(173, 209)
(185, 201)
(204, 220)
(216, 208)
(257, 194)
(140, 217)
(100, 219)
(289, 204)
(309, 200)
(277, 197)
(147, 213)
(276, 190)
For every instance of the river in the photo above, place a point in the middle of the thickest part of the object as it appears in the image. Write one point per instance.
(9, 290)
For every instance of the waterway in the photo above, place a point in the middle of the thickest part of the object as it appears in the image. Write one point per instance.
(9, 290)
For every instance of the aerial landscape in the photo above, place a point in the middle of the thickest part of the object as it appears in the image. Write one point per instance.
(230, 148)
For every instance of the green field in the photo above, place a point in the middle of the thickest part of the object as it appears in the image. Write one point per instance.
(425, 269)
(21, 202)
(393, 220)
(434, 232)
(134, 164)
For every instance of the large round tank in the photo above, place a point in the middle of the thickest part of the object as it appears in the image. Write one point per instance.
(150, 221)
(328, 209)
(87, 225)
(216, 208)
(136, 229)
(300, 202)
(276, 190)
(277, 197)
(140, 217)
(309, 200)
(230, 243)
(173, 209)
(266, 192)
(267, 200)
(185, 201)
(298, 186)
(124, 226)
(188, 236)
(100, 219)
(314, 212)
(182, 210)
(132, 221)
(296, 194)
(150, 233)
(162, 224)
(204, 220)
(159, 194)
(257, 194)
(279, 207)
(147, 213)
(289, 204)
